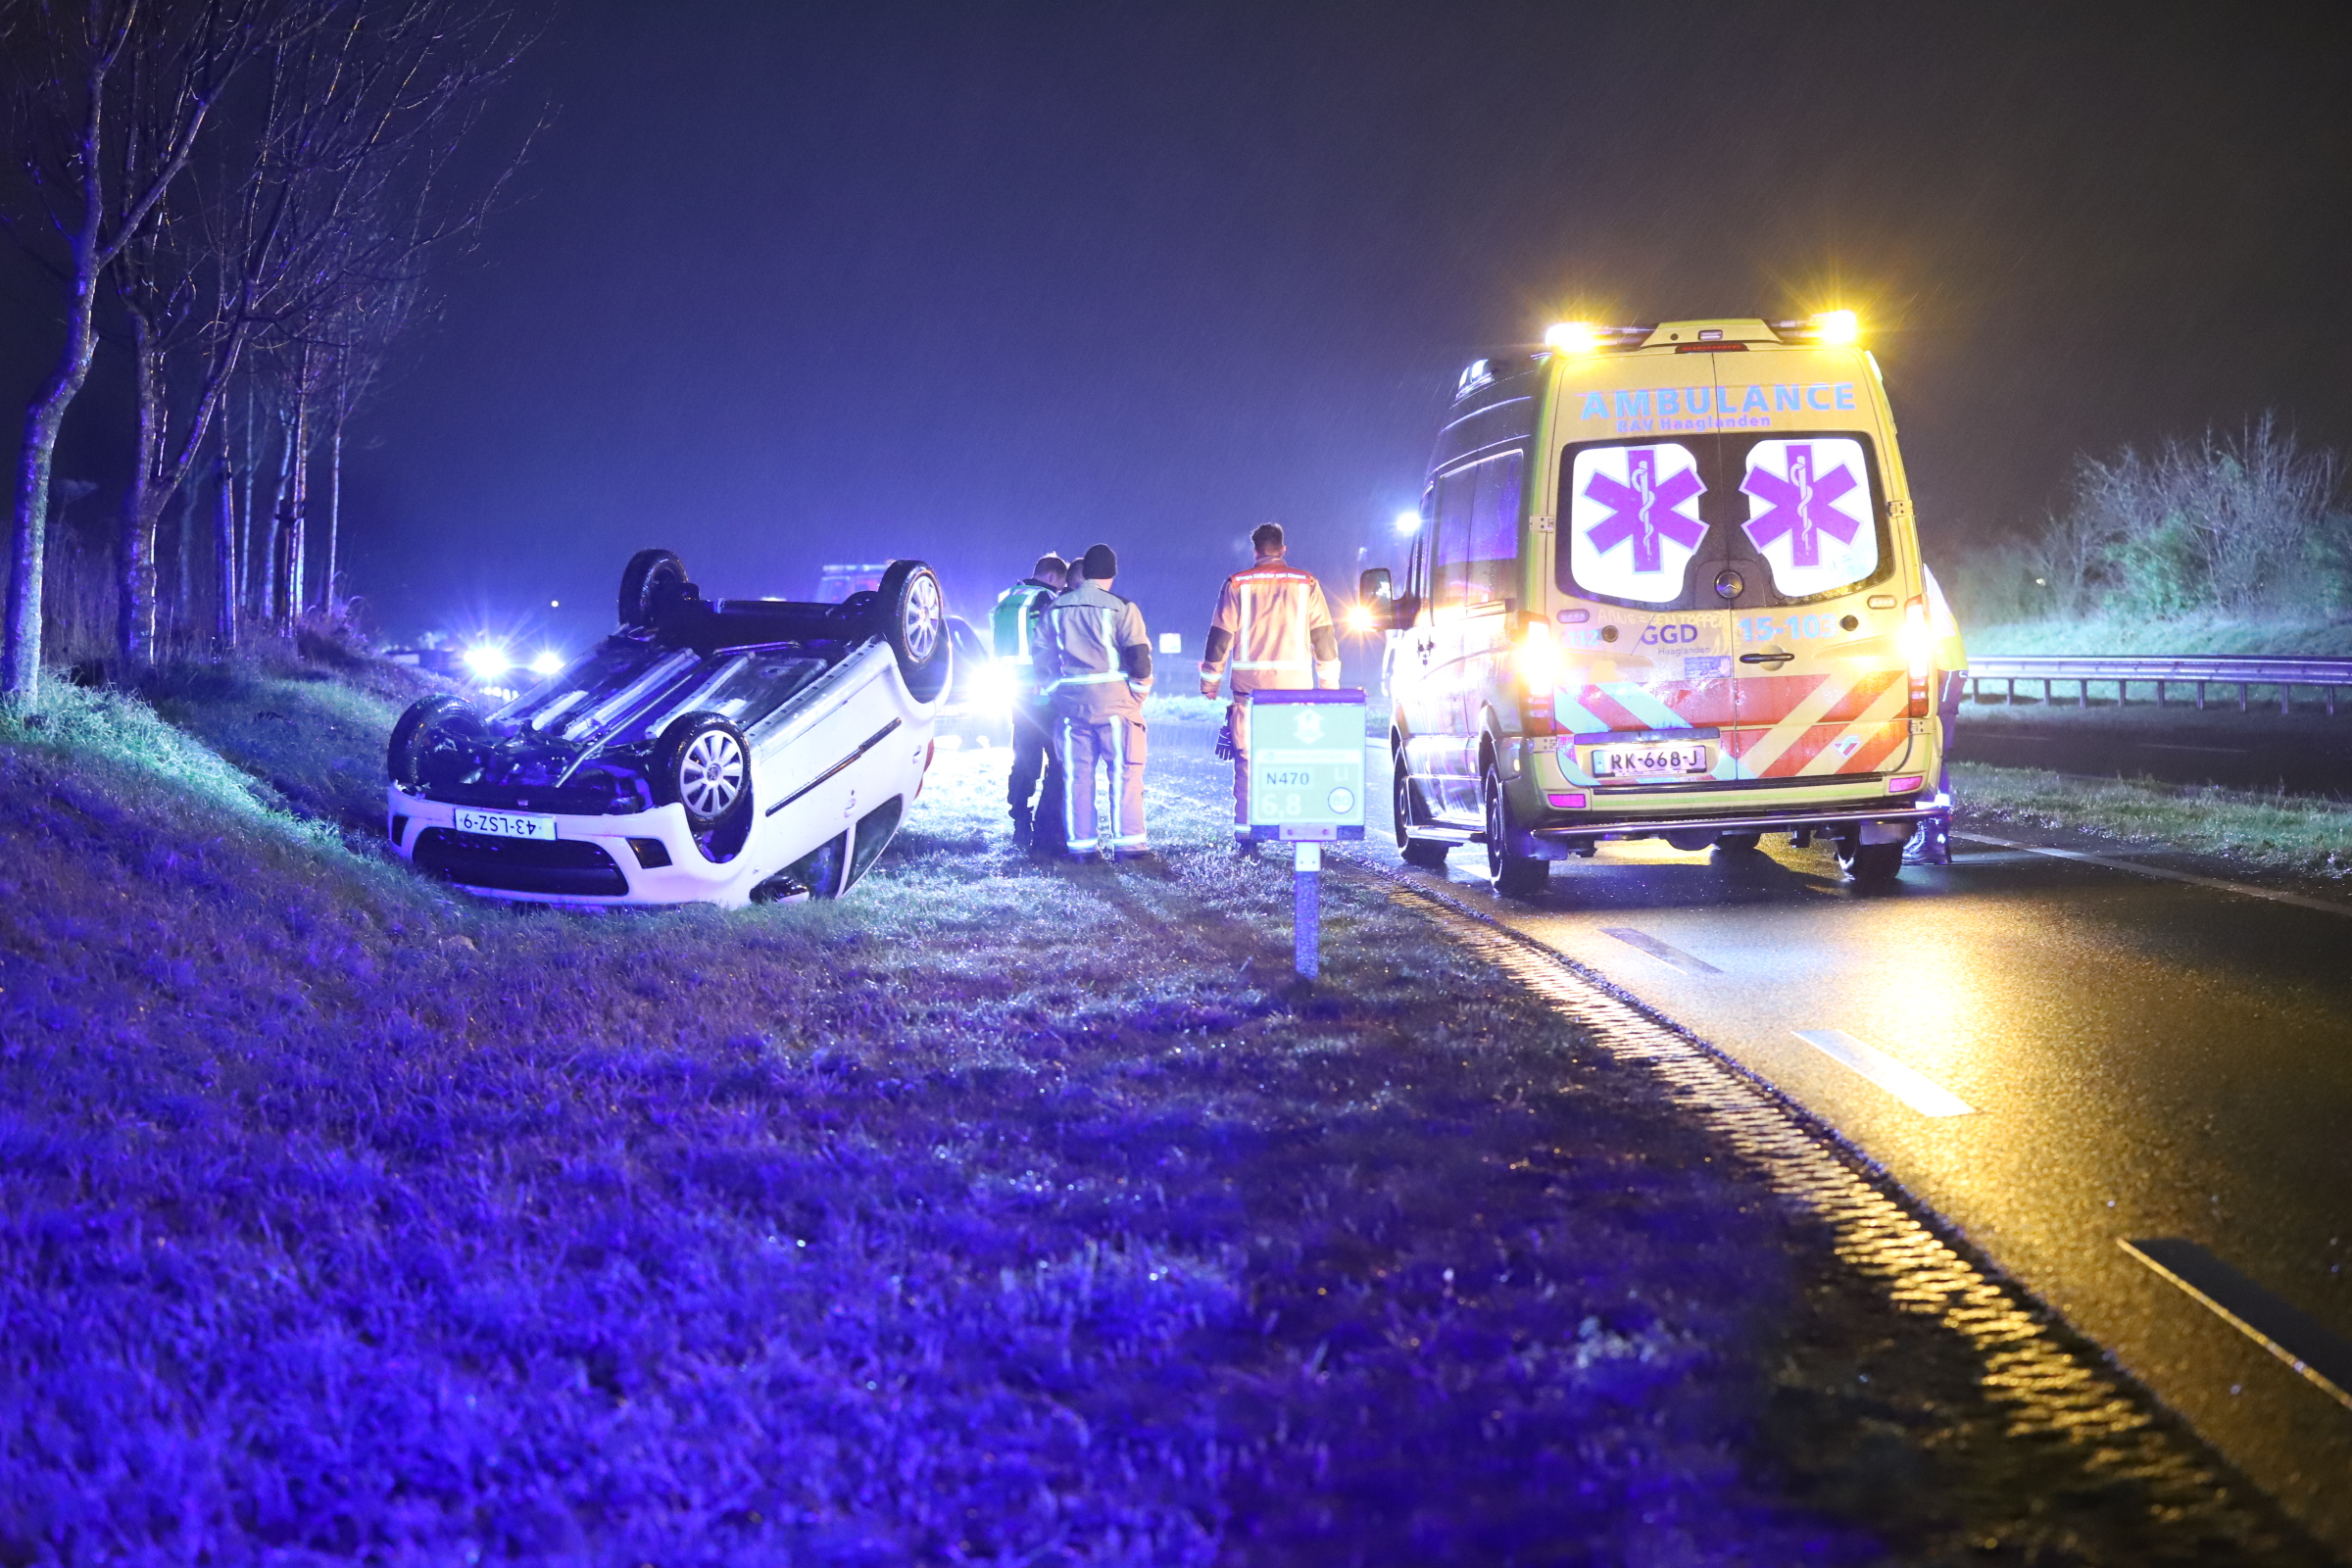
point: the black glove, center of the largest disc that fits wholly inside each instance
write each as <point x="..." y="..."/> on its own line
<point x="1225" y="742"/>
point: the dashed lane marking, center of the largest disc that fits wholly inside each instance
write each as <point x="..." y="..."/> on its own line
<point x="2321" y="1359"/>
<point x="1665" y="953"/>
<point x="1922" y="1094"/>
<point x="2275" y="895"/>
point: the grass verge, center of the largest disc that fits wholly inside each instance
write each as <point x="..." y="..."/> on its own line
<point x="998" y="1214"/>
<point x="2276" y="831"/>
<point x="2187" y="635"/>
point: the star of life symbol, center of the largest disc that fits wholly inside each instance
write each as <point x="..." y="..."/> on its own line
<point x="1800" y="508"/>
<point x="1308" y="727"/>
<point x="1644" y="509"/>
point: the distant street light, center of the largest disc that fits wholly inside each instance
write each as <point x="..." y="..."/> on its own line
<point x="1408" y="524"/>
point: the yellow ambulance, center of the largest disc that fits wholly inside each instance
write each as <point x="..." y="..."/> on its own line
<point x="1665" y="583"/>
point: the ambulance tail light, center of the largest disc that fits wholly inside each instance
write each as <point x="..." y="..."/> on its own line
<point x="1919" y="653"/>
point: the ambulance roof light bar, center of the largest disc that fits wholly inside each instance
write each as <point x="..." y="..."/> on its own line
<point x="1588" y="337"/>
<point x="1833" y="327"/>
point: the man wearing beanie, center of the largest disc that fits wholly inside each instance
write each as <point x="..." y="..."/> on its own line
<point x="1274" y="625"/>
<point x="1094" y="657"/>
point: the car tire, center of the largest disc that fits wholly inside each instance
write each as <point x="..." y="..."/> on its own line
<point x="1870" y="864"/>
<point x="913" y="613"/>
<point x="434" y="738"/>
<point x="1428" y="854"/>
<point x="1513" y="877"/>
<point x="654" y="581"/>
<point x="1739" y="843"/>
<point x="704" y="763"/>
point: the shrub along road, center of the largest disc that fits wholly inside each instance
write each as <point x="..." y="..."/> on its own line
<point x="997" y="1214"/>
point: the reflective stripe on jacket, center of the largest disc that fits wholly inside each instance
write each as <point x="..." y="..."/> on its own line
<point x="1277" y="630"/>
<point x="1094" y="657"/>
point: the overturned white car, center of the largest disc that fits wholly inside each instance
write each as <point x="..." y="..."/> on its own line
<point x="714" y="751"/>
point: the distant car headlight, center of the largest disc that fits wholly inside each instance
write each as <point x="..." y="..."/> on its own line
<point x="487" y="660"/>
<point x="998" y="688"/>
<point x="549" y="663"/>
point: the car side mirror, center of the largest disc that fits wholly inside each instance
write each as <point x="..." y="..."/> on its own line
<point x="1376" y="593"/>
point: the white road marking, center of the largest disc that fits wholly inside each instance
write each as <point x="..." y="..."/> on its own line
<point x="1922" y="1094"/>
<point x="2270" y="1322"/>
<point x="1665" y="953"/>
<point x="2276" y="896"/>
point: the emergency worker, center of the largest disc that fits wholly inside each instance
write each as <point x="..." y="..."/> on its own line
<point x="1095" y="656"/>
<point x="1274" y="624"/>
<point x="1015" y="628"/>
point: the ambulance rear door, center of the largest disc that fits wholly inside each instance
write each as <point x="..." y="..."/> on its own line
<point x="1821" y="688"/>
<point x="1646" y="703"/>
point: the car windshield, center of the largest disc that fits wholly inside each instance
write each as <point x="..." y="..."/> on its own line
<point x="1651" y="522"/>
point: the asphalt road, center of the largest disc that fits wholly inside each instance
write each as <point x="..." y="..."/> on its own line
<point x="2055" y="1056"/>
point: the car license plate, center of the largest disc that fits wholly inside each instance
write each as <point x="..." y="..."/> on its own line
<point x="1653" y="761"/>
<point x="505" y="824"/>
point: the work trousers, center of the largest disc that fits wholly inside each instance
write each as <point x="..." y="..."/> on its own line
<point x="1115" y="747"/>
<point x="1033" y="754"/>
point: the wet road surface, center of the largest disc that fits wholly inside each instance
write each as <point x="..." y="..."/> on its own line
<point x="2059" y="1057"/>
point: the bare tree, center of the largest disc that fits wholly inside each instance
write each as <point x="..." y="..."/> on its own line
<point x="329" y="201"/>
<point x="109" y="100"/>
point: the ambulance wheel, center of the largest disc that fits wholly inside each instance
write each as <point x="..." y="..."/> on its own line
<point x="433" y="743"/>
<point x="1428" y="854"/>
<point x="650" y="583"/>
<point x="1739" y="843"/>
<point x="702" y="763"/>
<point x="1514" y="876"/>
<point x="915" y="621"/>
<point x="1869" y="863"/>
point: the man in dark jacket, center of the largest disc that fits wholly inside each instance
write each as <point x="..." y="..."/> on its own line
<point x="1017" y="624"/>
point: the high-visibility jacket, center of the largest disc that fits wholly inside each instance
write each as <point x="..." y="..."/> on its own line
<point x="1094" y="657"/>
<point x="1273" y="621"/>
<point x="1014" y="627"/>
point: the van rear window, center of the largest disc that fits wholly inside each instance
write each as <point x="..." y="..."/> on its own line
<point x="1651" y="524"/>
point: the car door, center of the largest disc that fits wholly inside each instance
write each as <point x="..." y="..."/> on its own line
<point x="1475" y="552"/>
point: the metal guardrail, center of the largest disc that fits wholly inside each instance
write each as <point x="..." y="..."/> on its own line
<point x="2328" y="676"/>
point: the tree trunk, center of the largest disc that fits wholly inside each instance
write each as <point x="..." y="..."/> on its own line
<point x="297" y="502"/>
<point x="224" y="544"/>
<point x="21" y="662"/>
<point x="273" y="543"/>
<point x="334" y="515"/>
<point x="134" y="549"/>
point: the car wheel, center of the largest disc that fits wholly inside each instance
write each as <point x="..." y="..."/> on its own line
<point x="1514" y="876"/>
<point x="1428" y="854"/>
<point x="433" y="743"/>
<point x="1739" y="843"/>
<point x="915" y="621"/>
<point x="1869" y="862"/>
<point x="702" y="763"/>
<point x="650" y="583"/>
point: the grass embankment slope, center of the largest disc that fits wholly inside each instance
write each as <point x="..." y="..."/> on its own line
<point x="996" y="1213"/>
<point x="2303" y="835"/>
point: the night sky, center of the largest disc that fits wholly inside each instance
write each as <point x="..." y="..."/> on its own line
<point x="783" y="284"/>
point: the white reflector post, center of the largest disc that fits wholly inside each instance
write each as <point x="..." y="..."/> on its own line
<point x="1306" y="914"/>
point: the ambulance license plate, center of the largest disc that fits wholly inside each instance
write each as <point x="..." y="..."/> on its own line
<point x="1653" y="761"/>
<point x="503" y="825"/>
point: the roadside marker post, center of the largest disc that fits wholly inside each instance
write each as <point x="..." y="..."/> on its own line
<point x="1307" y="789"/>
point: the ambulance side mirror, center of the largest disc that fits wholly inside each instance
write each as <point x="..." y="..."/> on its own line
<point x="1376" y="600"/>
